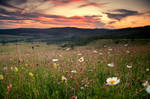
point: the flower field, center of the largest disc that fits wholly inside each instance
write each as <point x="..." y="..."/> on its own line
<point x="40" y="71"/>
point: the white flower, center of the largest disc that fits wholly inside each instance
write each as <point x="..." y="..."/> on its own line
<point x="112" y="81"/>
<point x="95" y="51"/>
<point x="127" y="51"/>
<point x="64" y="78"/>
<point x="60" y="55"/>
<point x="81" y="59"/>
<point x="125" y="44"/>
<point x="74" y="97"/>
<point x="148" y="89"/>
<point x="5" y="68"/>
<point x="68" y="49"/>
<point x="74" y="71"/>
<point x="145" y="84"/>
<point x="100" y="53"/>
<point x="129" y="66"/>
<point x="81" y="88"/>
<point x="110" y="65"/>
<point x="108" y="52"/>
<point x="110" y="49"/>
<point x="79" y="54"/>
<point x="105" y="45"/>
<point x="54" y="60"/>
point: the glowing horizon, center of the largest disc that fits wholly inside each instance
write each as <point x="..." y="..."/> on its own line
<point x="74" y="13"/>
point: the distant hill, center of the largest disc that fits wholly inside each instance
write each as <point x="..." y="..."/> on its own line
<point x="71" y="34"/>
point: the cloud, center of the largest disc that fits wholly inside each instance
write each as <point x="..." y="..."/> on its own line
<point x="145" y="1"/>
<point x="12" y="19"/>
<point x="23" y="5"/>
<point x="92" y="4"/>
<point x="16" y="14"/>
<point x="121" y="13"/>
<point x="60" y="1"/>
<point x="12" y="3"/>
<point x="111" y="22"/>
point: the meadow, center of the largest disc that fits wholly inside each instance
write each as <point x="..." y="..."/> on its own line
<point x="41" y="71"/>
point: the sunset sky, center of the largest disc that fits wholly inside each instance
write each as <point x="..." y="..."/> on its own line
<point x="74" y="13"/>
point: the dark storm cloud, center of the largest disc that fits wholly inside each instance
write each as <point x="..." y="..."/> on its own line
<point x="16" y="14"/>
<point x="63" y="1"/>
<point x="49" y="16"/>
<point x="121" y="13"/>
<point x="11" y="18"/>
<point x="12" y="3"/>
<point x="146" y="1"/>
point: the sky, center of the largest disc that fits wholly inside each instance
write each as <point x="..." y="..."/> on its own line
<point x="74" y="13"/>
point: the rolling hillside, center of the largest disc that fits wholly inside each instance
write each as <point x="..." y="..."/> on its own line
<point x="71" y="34"/>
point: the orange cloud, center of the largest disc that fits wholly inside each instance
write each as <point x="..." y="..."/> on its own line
<point x="45" y="21"/>
<point x="131" y="21"/>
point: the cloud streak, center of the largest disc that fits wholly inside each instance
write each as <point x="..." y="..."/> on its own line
<point x="11" y="18"/>
<point x="121" y="13"/>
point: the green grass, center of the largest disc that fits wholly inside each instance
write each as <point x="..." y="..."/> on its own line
<point x="87" y="83"/>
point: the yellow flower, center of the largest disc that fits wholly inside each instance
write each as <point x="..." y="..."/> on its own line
<point x="1" y="77"/>
<point x="26" y="65"/>
<point x="30" y="74"/>
<point x="55" y="65"/>
<point x="16" y="69"/>
<point x="147" y="69"/>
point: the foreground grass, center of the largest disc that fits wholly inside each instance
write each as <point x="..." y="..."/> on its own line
<point x="29" y="72"/>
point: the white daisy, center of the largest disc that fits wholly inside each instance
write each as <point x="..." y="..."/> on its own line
<point x="129" y="66"/>
<point x="110" y="65"/>
<point x="81" y="59"/>
<point x="95" y="51"/>
<point x="54" y="60"/>
<point x="127" y="51"/>
<point x="5" y="68"/>
<point x="100" y="53"/>
<point x="110" y="49"/>
<point x="145" y="84"/>
<point x="112" y="81"/>
<point x="73" y="71"/>
<point x="79" y="54"/>
<point x="125" y="44"/>
<point x="148" y="89"/>
<point x="68" y="49"/>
